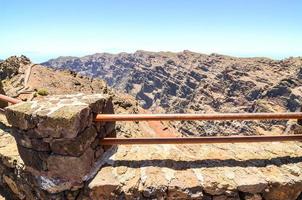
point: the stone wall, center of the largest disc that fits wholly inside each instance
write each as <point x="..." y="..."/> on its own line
<point x="58" y="139"/>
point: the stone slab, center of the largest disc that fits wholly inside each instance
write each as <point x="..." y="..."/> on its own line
<point x="221" y="171"/>
<point x="60" y="116"/>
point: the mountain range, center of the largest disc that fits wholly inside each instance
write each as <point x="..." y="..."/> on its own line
<point x="189" y="82"/>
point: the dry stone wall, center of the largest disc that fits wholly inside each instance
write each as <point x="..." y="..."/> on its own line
<point x="58" y="140"/>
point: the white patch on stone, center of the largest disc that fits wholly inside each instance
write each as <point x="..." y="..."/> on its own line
<point x="167" y="149"/>
<point x="164" y="149"/>
<point x="229" y="174"/>
<point x="34" y="104"/>
<point x="143" y="174"/>
<point x="275" y="143"/>
<point x="47" y="183"/>
<point x="53" y="185"/>
<point x="198" y="174"/>
<point x="168" y="173"/>
<point x="74" y="103"/>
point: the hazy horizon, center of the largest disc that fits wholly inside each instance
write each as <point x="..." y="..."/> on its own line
<point x="48" y="29"/>
<point x="47" y="58"/>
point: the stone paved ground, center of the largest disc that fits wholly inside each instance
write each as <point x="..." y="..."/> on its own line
<point x="218" y="171"/>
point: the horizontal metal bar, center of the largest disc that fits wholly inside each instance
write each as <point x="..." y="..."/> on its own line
<point x="200" y="140"/>
<point x="179" y="117"/>
<point x="9" y="99"/>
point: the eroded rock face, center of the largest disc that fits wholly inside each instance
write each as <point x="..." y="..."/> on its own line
<point x="57" y="137"/>
<point x="188" y="82"/>
<point x="10" y="66"/>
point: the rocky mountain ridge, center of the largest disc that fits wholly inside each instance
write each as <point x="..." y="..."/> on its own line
<point x="189" y="82"/>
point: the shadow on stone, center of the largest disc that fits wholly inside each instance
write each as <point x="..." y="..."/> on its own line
<point x="207" y="163"/>
<point x="4" y="127"/>
<point x="4" y="192"/>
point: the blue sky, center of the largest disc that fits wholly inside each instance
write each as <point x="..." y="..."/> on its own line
<point x="51" y="28"/>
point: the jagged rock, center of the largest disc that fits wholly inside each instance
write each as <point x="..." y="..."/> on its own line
<point x="10" y="66"/>
<point x="187" y="82"/>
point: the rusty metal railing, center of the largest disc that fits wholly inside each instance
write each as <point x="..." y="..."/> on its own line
<point x="9" y="99"/>
<point x="180" y="117"/>
<point x="192" y="140"/>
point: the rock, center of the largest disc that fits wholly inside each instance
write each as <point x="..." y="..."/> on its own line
<point x="220" y="197"/>
<point x="106" y="179"/>
<point x="71" y="168"/>
<point x="286" y="191"/>
<point x="63" y="122"/>
<point x="19" y="115"/>
<point x="11" y="66"/>
<point x="188" y="82"/>
<point x="26" y="141"/>
<point x="279" y="91"/>
<point x="251" y="184"/>
<point x="74" y="146"/>
<point x="13" y="186"/>
<point x="253" y="197"/>
<point x="56" y="116"/>
<point x="33" y="159"/>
